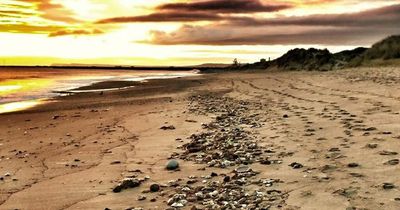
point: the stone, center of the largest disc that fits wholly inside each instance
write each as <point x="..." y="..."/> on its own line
<point x="213" y="174"/>
<point x="386" y="152"/>
<point x="155" y="188"/>
<point x="372" y="146"/>
<point x="388" y="186"/>
<point x="295" y="165"/>
<point x="126" y="184"/>
<point x="227" y="179"/>
<point x="141" y="198"/>
<point x="172" y="165"/>
<point x="169" y="127"/>
<point x="353" y="165"/>
<point x="115" y="162"/>
<point x="242" y="169"/>
<point x="393" y="162"/>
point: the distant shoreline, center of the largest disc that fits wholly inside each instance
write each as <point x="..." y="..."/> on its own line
<point x="137" y="68"/>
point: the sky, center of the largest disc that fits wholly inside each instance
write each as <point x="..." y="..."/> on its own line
<point x="183" y="32"/>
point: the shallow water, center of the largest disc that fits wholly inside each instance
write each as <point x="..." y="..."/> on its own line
<point x="22" y="88"/>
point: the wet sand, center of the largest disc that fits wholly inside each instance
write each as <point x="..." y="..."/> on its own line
<point x="278" y="140"/>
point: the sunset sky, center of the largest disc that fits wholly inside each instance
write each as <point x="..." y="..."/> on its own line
<point x="182" y="32"/>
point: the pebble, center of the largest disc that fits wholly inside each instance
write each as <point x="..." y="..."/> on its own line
<point x="372" y="146"/>
<point x="126" y="184"/>
<point x="141" y="198"/>
<point x="228" y="141"/>
<point x="115" y="162"/>
<point x="393" y="162"/>
<point x="388" y="186"/>
<point x="295" y="165"/>
<point x="169" y="127"/>
<point x="155" y="188"/>
<point x="172" y="165"/>
<point x="386" y="152"/>
<point x="353" y="165"/>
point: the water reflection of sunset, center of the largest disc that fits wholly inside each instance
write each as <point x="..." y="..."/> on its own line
<point x="21" y="86"/>
<point x="18" y="106"/>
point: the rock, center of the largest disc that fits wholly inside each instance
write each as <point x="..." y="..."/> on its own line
<point x="353" y="165"/>
<point x="242" y="169"/>
<point x="177" y="205"/>
<point x="386" y="152"/>
<point x="372" y="146"/>
<point x="227" y="179"/>
<point x="172" y="165"/>
<point x="347" y="192"/>
<point x="285" y="116"/>
<point x="169" y="127"/>
<point x="193" y="148"/>
<point x="115" y="162"/>
<point x="265" y="162"/>
<point x="295" y="165"/>
<point x="370" y="129"/>
<point x="155" y="188"/>
<point x="393" y="162"/>
<point x="126" y="184"/>
<point x="388" y="186"/>
<point x="141" y="198"/>
<point x="177" y="201"/>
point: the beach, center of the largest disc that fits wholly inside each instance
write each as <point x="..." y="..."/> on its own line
<point x="251" y="139"/>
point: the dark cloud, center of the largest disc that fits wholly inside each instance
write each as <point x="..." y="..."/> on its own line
<point x="386" y="16"/>
<point x="165" y="17"/>
<point x="79" y="32"/>
<point x="343" y="36"/>
<point x="211" y="10"/>
<point x="346" y="29"/>
<point x="225" y="6"/>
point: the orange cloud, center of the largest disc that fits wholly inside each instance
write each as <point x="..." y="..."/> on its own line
<point x="53" y="11"/>
<point x="75" y="32"/>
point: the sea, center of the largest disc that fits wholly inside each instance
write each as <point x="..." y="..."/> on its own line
<point x="26" y="87"/>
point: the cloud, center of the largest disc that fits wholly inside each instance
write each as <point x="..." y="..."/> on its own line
<point x="165" y="17"/>
<point x="76" y="32"/>
<point x="344" y="29"/>
<point x="385" y="16"/>
<point x="225" y="6"/>
<point x="34" y="16"/>
<point x="53" y="11"/>
<point x="211" y="10"/>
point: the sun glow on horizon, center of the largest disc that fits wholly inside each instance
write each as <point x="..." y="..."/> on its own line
<point x="45" y="32"/>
